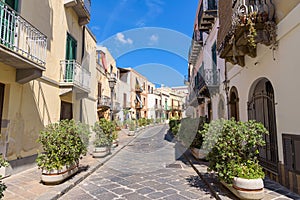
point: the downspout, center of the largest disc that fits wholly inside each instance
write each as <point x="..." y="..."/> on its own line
<point x="226" y="85"/>
<point x="82" y="55"/>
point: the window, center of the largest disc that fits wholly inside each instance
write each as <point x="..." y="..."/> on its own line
<point x="291" y="152"/>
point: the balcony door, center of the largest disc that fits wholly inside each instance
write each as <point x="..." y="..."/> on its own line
<point x="1" y="102"/>
<point x="71" y="49"/>
<point x="8" y="22"/>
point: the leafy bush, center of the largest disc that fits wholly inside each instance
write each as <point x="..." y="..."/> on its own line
<point x="174" y="125"/>
<point x="149" y="121"/>
<point x="233" y="148"/>
<point x="104" y="130"/>
<point x="142" y="122"/>
<point x="3" y="187"/>
<point x="63" y="144"/>
<point x="131" y="124"/>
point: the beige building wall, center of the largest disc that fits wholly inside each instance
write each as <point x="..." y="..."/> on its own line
<point x="136" y="78"/>
<point x="103" y="76"/>
<point x="29" y="107"/>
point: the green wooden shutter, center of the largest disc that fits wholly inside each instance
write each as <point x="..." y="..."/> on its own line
<point x="13" y="4"/>
<point x="71" y="48"/>
<point x="8" y="23"/>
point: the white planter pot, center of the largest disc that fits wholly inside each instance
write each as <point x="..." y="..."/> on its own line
<point x="246" y="191"/>
<point x="248" y="184"/>
<point x="115" y="143"/>
<point x="57" y="176"/>
<point x="198" y="153"/>
<point x="131" y="133"/>
<point x="100" y="152"/>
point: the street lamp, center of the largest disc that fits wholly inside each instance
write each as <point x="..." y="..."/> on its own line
<point x="112" y="82"/>
<point x="136" y="114"/>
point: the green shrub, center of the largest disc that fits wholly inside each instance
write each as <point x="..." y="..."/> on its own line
<point x="132" y="125"/>
<point x="63" y="144"/>
<point x="3" y="187"/>
<point x="233" y="148"/>
<point x="104" y="130"/>
<point x="175" y="129"/>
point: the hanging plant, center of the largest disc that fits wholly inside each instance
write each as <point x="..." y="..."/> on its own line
<point x="252" y="31"/>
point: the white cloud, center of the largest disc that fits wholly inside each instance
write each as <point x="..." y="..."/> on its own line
<point x="153" y="40"/>
<point x="95" y="28"/>
<point x="121" y="37"/>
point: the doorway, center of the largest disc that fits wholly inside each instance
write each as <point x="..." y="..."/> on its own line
<point x="261" y="107"/>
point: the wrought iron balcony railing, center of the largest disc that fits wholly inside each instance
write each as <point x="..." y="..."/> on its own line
<point x="212" y="77"/>
<point x="196" y="45"/>
<point x="103" y="101"/>
<point x="73" y="73"/>
<point x="20" y="37"/>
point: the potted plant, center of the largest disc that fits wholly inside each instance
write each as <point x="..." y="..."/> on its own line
<point x="131" y="125"/>
<point x="115" y="140"/>
<point x="103" y="137"/>
<point x="233" y="155"/>
<point x="196" y="146"/>
<point x="63" y="145"/>
<point x="3" y="187"/>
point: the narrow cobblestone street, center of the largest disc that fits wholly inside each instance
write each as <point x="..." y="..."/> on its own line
<point x="145" y="169"/>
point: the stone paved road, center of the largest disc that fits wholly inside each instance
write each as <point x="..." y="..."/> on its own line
<point x="145" y="169"/>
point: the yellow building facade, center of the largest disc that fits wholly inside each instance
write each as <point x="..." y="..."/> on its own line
<point x="47" y="62"/>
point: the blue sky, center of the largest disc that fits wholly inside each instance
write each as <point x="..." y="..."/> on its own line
<point x="151" y="36"/>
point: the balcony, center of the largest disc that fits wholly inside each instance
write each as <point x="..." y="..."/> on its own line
<point x="74" y="76"/>
<point x="103" y="103"/>
<point x="117" y="107"/>
<point x="207" y="15"/>
<point x="82" y="9"/>
<point x="158" y="107"/>
<point x="212" y="80"/>
<point x="243" y="26"/>
<point x="138" y="89"/>
<point x="22" y="45"/>
<point x="196" y="46"/>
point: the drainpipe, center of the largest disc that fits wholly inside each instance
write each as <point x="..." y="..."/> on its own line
<point x="226" y="85"/>
<point x="83" y="42"/>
